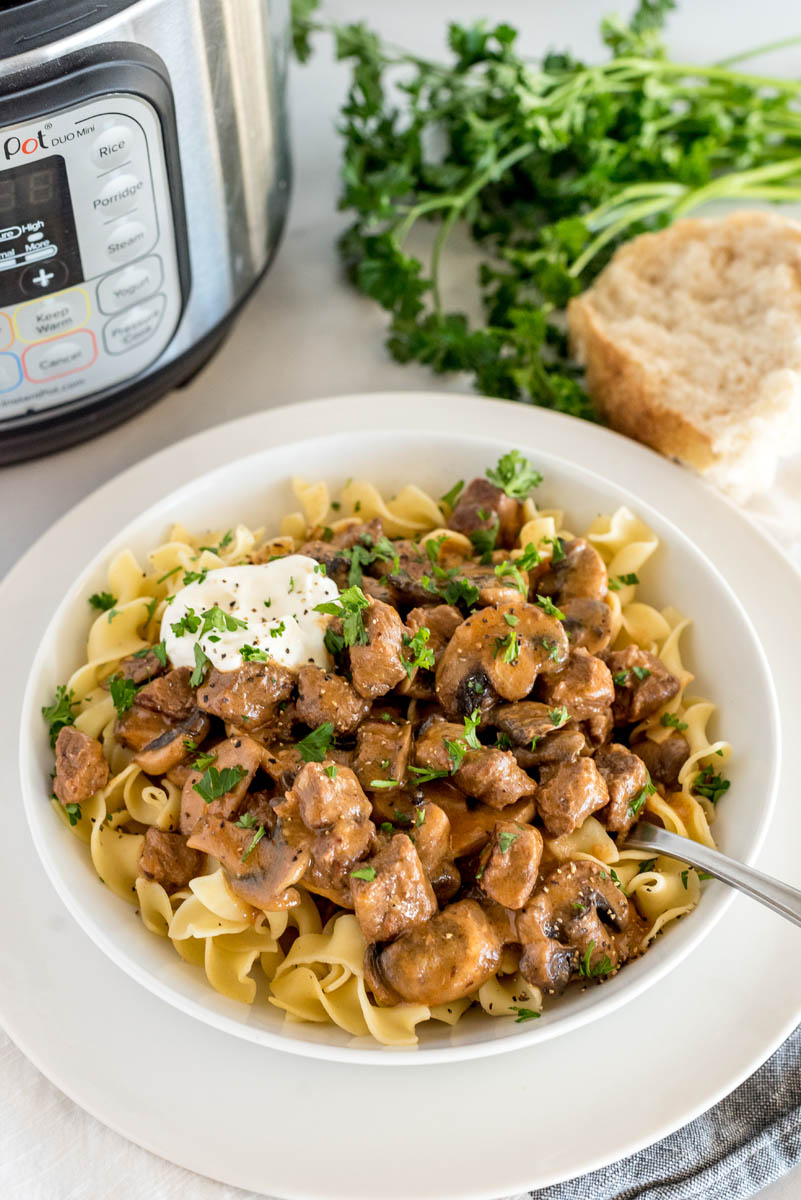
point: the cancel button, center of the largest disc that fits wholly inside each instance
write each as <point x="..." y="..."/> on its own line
<point x="131" y="328"/>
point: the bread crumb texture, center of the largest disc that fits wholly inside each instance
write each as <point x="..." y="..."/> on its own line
<point x="691" y="339"/>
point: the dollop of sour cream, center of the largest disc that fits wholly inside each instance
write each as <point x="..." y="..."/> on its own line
<point x="276" y="602"/>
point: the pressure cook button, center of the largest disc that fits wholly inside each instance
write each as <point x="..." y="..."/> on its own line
<point x="52" y="315"/>
<point x="134" y="326"/>
<point x="113" y="147"/>
<point x="119" y="195"/>
<point x="59" y="356"/>
<point x="126" y="241"/>
<point x="125" y="287"/>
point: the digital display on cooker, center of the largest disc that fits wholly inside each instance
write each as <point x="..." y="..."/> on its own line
<point x="38" y="243"/>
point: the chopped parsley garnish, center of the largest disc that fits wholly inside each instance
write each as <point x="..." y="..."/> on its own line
<point x="641" y="672"/>
<point x="685" y="875"/>
<point x="194" y="577"/>
<point x="214" y="783"/>
<point x="160" y="651"/>
<point x="333" y="642"/>
<point x="123" y="691"/>
<point x="331" y="771"/>
<point x="278" y="630"/>
<point x="112" y="613"/>
<point x="505" y="840"/>
<point x="368" y="873"/>
<point x="619" y="581"/>
<point x="511" y="619"/>
<point x="420" y="816"/>
<point x="251" y="654"/>
<point x="59" y="713"/>
<point x="523" y="1014"/>
<point x="483" y="541"/>
<point x="450" y="497"/>
<point x="547" y="605"/>
<point x="201" y="658"/>
<point x="471" y="724"/>
<point x="189" y="744"/>
<point x="710" y="784"/>
<point x="384" y="783"/>
<point x="616" y="879"/>
<point x="314" y="747"/>
<point x="203" y="760"/>
<point x="552" y="648"/>
<point x="559" y="717"/>
<point x="189" y="623"/>
<point x="426" y="774"/>
<point x="216" y="618"/>
<point x="246" y="821"/>
<point x="421" y="654"/>
<point x="74" y="813"/>
<point x="102" y="601"/>
<point x="558" y="548"/>
<point x="349" y="609"/>
<point x="366" y="552"/>
<point x="671" y="721"/>
<point x="600" y="969"/>
<point x="511" y="567"/>
<point x="639" y="800"/>
<point x="647" y="864"/>
<point x="510" y="647"/>
<point x="503" y="742"/>
<point x="456" y="750"/>
<point x="705" y="875"/>
<point x="259" y="834"/>
<point x="515" y="475"/>
<point x="460" y="591"/>
<point x="226" y="540"/>
<point x="529" y="558"/>
<point x="386" y="827"/>
<point x="621" y="678"/>
<point x="168" y="575"/>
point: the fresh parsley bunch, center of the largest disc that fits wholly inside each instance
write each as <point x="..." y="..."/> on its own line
<point x="550" y="165"/>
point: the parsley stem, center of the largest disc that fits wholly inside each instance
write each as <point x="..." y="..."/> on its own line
<point x="758" y="51"/>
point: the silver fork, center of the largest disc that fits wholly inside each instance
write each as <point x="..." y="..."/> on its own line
<point x="782" y="898"/>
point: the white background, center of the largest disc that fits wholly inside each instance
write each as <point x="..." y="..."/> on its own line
<point x="304" y="334"/>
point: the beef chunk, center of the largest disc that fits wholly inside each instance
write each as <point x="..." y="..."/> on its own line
<point x="471" y="825"/>
<point x="525" y="722"/>
<point x="625" y="776"/>
<point x="378" y="666"/>
<point x="140" y="667"/>
<point x="432" y="840"/>
<point x="642" y="684"/>
<point x="237" y="753"/>
<point x="382" y="751"/>
<point x="329" y="816"/>
<point x="398" y="895"/>
<point x="568" y="794"/>
<point x="664" y="759"/>
<point x="81" y="769"/>
<point x="489" y="774"/>
<point x="510" y="864"/>
<point x="482" y="505"/>
<point x="166" y="858"/>
<point x="247" y="697"/>
<point x="323" y="696"/>
<point x="330" y="552"/>
<point x="441" y="620"/>
<point x="171" y="694"/>
<point x="583" y="686"/>
<point x="563" y="745"/>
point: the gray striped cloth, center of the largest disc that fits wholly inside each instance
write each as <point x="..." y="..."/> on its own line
<point x="746" y="1142"/>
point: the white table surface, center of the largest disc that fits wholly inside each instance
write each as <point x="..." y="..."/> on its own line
<point x="303" y="334"/>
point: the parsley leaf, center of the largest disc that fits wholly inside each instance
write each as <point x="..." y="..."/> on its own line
<point x="259" y="834"/>
<point x="641" y="672"/>
<point x="314" y="747"/>
<point x="368" y="873"/>
<point x="671" y="720"/>
<point x="505" y="840"/>
<point x="639" y="800"/>
<point x="213" y="783"/>
<point x="216" y="618"/>
<point x="103" y="601"/>
<point x="600" y="969"/>
<point x="559" y="717"/>
<point x="422" y="654"/>
<point x="619" y="581"/>
<point x="515" y="474"/>
<point x="511" y="567"/>
<point x="74" y="813"/>
<point x="122" y="691"/>
<point x="471" y="724"/>
<point x="710" y="784"/>
<point x="246" y="821"/>
<point x="251" y="654"/>
<point x="547" y="605"/>
<point x="160" y="651"/>
<point x="483" y="541"/>
<point x="196" y="678"/>
<point x="349" y="608"/>
<point x="524" y="1014"/>
<point x="426" y="774"/>
<point x="510" y="647"/>
<point x="449" y="499"/>
<point x="59" y="713"/>
<point x="188" y="623"/>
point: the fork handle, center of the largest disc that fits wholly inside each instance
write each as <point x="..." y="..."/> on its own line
<point x="782" y="898"/>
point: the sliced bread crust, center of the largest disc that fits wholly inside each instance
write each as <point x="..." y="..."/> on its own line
<point x="691" y="339"/>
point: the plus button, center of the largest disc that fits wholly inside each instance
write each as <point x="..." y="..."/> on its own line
<point x="43" y="278"/>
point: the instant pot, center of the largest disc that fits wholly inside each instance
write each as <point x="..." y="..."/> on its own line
<point x="144" y="181"/>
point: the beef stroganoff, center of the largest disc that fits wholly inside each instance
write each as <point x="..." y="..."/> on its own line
<point x="386" y="760"/>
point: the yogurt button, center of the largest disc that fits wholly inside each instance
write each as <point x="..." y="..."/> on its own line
<point x="127" y="240"/>
<point x="113" y="146"/>
<point x="125" y="287"/>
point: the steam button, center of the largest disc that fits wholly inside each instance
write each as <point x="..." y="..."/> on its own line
<point x="126" y="241"/>
<point x="113" y="147"/>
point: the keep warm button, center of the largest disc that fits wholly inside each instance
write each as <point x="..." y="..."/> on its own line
<point x="129" y="329"/>
<point x="59" y="356"/>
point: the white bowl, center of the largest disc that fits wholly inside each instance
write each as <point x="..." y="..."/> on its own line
<point x="721" y="648"/>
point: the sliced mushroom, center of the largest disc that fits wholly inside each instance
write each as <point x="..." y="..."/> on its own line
<point x="578" y="914"/>
<point x="471" y="825"/>
<point x="169" y="749"/>
<point x="498" y="652"/>
<point x="242" y="755"/>
<point x="440" y="960"/>
<point x="482" y="505"/>
<point x="579" y="572"/>
<point x="261" y="870"/>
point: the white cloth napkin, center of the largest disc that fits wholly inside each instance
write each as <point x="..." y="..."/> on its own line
<point x="51" y="1150"/>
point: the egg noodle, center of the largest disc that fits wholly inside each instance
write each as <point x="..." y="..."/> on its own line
<point x="310" y="971"/>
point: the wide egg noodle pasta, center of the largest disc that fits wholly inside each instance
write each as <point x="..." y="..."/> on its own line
<point x="504" y="995"/>
<point x="298" y="986"/>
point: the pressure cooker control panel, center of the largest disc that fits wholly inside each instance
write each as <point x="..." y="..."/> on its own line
<point x="90" y="292"/>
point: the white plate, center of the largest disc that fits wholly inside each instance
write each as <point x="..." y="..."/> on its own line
<point x="294" y="1127"/>
<point x="256" y="490"/>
